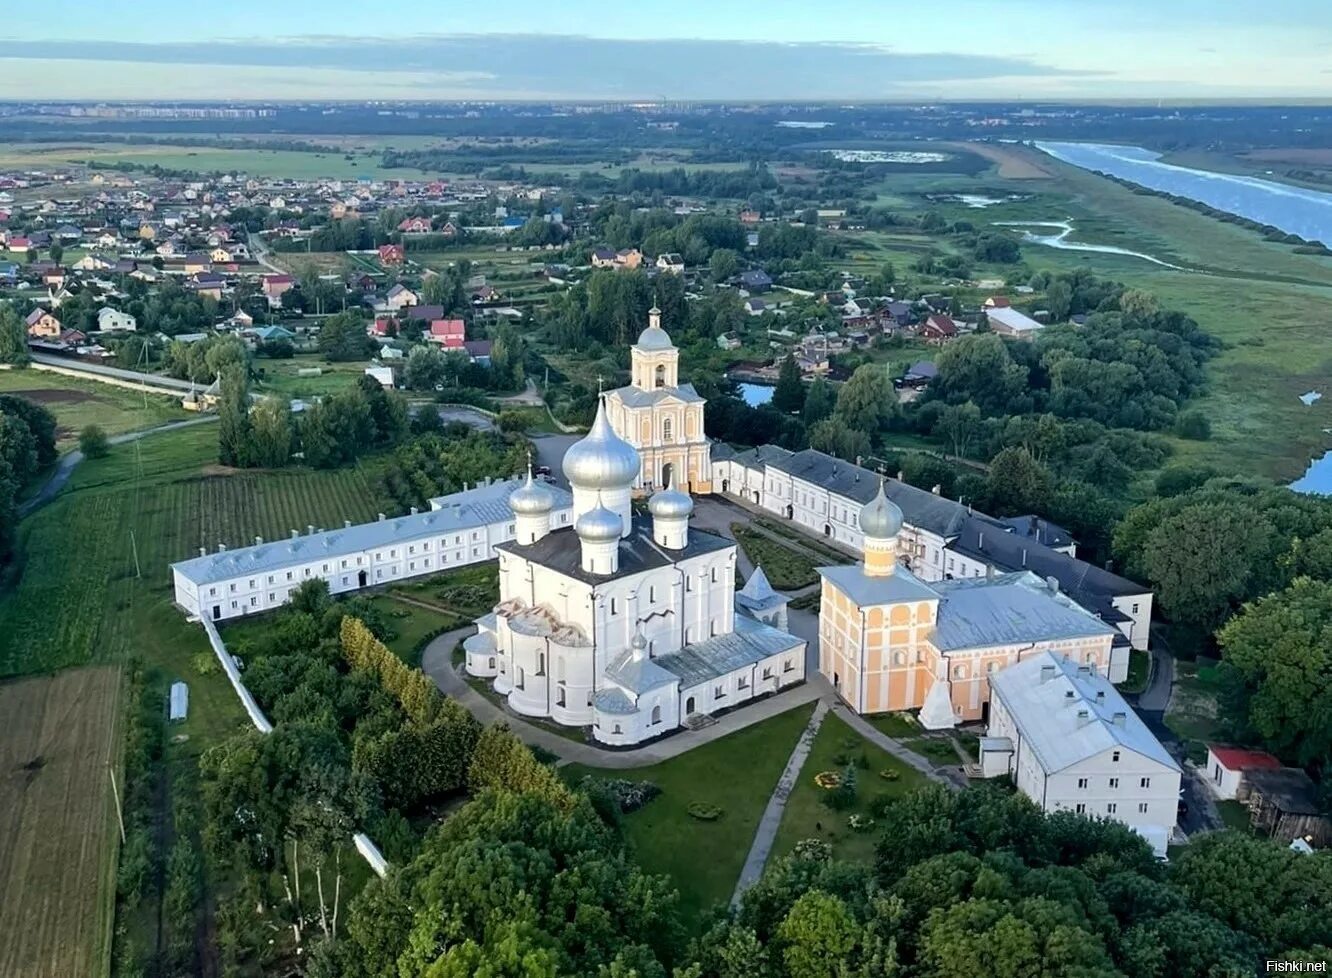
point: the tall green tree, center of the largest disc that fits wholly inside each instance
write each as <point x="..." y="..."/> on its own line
<point x="272" y="433"/>
<point x="235" y="436"/>
<point x="866" y="402"/>
<point x="789" y="394"/>
<point x="13" y="336"/>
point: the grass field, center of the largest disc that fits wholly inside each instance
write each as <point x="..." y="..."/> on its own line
<point x="787" y="569"/>
<point x="57" y="818"/>
<point x="78" y="403"/>
<point x="79" y="557"/>
<point x="280" y="164"/>
<point x="283" y="376"/>
<point x="738" y="774"/>
<point x="807" y="817"/>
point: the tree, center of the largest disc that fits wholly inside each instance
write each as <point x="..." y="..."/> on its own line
<point x="1017" y="483"/>
<point x="959" y="425"/>
<point x="723" y="264"/>
<point x="343" y="337"/>
<point x="1059" y="300"/>
<point x="426" y="368"/>
<point x="273" y="433"/>
<point x="820" y="399"/>
<point x="867" y="401"/>
<point x="1193" y="425"/>
<point x="1138" y="304"/>
<point x="1277" y="668"/>
<point x="820" y="936"/>
<point x="93" y="443"/>
<point x="234" y="434"/>
<point x="1202" y="559"/>
<point x="13" y="336"/>
<point x="981" y="369"/>
<point x="789" y="394"/>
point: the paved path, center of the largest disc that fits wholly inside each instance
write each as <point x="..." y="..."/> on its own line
<point x="1156" y="696"/>
<point x="65" y="466"/>
<point x="97" y="370"/>
<point x="437" y="663"/>
<point x="878" y="738"/>
<point x="766" y="834"/>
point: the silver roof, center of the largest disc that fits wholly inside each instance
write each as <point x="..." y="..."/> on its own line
<point x="654" y="338"/>
<point x="758" y="594"/>
<point x="1047" y="714"/>
<point x="1011" y="609"/>
<point x="612" y="700"/>
<point x="467" y="510"/>
<point x="638" y="675"/>
<point x="635" y="398"/>
<point x="866" y="590"/>
<point x="751" y="642"/>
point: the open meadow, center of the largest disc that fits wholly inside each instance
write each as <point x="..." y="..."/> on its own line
<point x="57" y="823"/>
<point x="78" y="403"/>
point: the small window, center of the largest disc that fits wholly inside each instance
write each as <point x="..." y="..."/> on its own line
<point x="289" y="575"/>
<point x="1142" y="808"/>
<point x="743" y="683"/>
<point x="714" y="575"/>
<point x="652" y="594"/>
<point x="1080" y="808"/>
<point x="615" y="606"/>
<point x="1145" y="783"/>
<point x="616" y="729"/>
<point x="1114" y="782"/>
<point x="1111" y="808"/>
<point x="767" y="672"/>
<point x="718" y="692"/>
<point x="788" y="666"/>
<point x="1082" y="782"/>
<point x="1115" y="757"/>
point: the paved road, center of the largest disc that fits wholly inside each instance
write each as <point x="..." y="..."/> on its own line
<point x="1156" y="697"/>
<point x="466" y="415"/>
<point x="550" y="451"/>
<point x="65" y="466"/>
<point x="96" y="370"/>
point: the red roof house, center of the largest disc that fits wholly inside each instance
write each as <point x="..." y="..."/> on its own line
<point x="391" y="254"/>
<point x="938" y="328"/>
<point x="448" y="333"/>
<point x="415" y="225"/>
<point x="1226" y="767"/>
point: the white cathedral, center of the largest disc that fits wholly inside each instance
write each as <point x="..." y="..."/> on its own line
<point x="625" y="623"/>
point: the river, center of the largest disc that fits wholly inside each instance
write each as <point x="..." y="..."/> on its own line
<point x="1061" y="241"/>
<point x="1294" y="210"/>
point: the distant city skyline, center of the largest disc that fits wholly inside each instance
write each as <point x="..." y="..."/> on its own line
<point x="780" y="49"/>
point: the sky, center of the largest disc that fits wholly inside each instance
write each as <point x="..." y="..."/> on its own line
<point x="678" y="50"/>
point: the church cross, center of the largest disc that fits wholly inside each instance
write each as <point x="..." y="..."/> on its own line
<point x="600" y="380"/>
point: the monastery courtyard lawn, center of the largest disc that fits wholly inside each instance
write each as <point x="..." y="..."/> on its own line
<point x="737" y="774"/>
<point x="807" y="817"/>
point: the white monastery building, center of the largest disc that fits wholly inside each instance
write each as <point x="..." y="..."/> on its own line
<point x="941" y="539"/>
<point x="1071" y="743"/>
<point x="661" y="417"/>
<point x="626" y="624"/>
<point x="460" y="529"/>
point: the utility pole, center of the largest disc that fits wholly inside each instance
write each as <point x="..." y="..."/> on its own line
<point x="120" y="816"/>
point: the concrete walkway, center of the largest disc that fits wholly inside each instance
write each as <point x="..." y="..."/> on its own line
<point x="65" y="465"/>
<point x="437" y="663"/>
<point x="766" y="834"/>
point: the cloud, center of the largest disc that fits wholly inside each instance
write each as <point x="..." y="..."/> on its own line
<point x="565" y="66"/>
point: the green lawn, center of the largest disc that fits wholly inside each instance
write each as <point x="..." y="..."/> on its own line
<point x="737" y="774"/>
<point x="1139" y="670"/>
<point x="1235" y="815"/>
<point x="807" y="817"/>
<point x="1194" y="713"/>
<point x="77" y="403"/>
<point x="787" y="569"/>
<point x="283" y="376"/>
<point x="896" y="725"/>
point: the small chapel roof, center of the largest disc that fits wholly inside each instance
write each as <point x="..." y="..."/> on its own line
<point x="758" y="594"/>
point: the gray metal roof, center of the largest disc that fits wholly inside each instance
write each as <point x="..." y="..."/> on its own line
<point x="612" y="700"/>
<point x="1010" y="609"/>
<point x="654" y="338"/>
<point x="751" y="642"/>
<point x="1047" y="714"/>
<point x="636" y="398"/>
<point x="482" y="506"/>
<point x="866" y="591"/>
<point x="638" y="675"/>
<point x="559" y="551"/>
<point x="758" y="594"/>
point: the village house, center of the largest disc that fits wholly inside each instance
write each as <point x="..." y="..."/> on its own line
<point x="671" y="263"/>
<point x="451" y="334"/>
<point x="755" y="280"/>
<point x="937" y="329"/>
<point x="401" y="297"/>
<point x="1008" y="322"/>
<point x="276" y="286"/>
<point x="415" y="225"/>
<point x="391" y="254"/>
<point x="43" y="325"/>
<point x="114" y="321"/>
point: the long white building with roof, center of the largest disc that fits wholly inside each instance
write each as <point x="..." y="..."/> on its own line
<point x="459" y="529"/>
<point x="1071" y="743"/>
<point x="626" y="624"/>
<point x="941" y="539"/>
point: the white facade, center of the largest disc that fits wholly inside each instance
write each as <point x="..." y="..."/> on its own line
<point x="114" y="321"/>
<point x="940" y="540"/>
<point x="1073" y="744"/>
<point x="460" y="529"/>
<point x="625" y="625"/>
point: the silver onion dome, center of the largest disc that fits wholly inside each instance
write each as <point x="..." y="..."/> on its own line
<point x="670" y="503"/>
<point x="654" y="337"/>
<point x="601" y="460"/>
<point x="531" y="498"/>
<point x="599" y="525"/>
<point x="880" y="518"/>
<point x="638" y="643"/>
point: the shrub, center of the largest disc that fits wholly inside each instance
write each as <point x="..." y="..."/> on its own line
<point x="843" y="796"/>
<point x="860" y="823"/>
<point x="630" y="796"/>
<point x="93" y="443"/>
<point x="704" y="812"/>
<point x="814" y="850"/>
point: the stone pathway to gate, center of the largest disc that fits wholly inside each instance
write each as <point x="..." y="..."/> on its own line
<point x="766" y="833"/>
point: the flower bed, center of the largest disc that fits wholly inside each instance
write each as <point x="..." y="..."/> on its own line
<point x="828" y="780"/>
<point x="704" y="812"/>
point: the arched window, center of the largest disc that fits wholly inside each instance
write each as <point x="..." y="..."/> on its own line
<point x="666" y="429"/>
<point x="661" y="375"/>
<point x="656" y="715"/>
